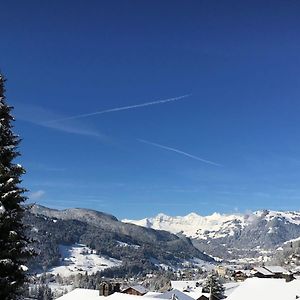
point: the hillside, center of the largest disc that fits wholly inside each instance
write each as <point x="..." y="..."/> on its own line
<point x="138" y="248"/>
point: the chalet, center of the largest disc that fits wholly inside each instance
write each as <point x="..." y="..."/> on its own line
<point x="241" y="275"/>
<point x="272" y="272"/>
<point x="261" y="272"/>
<point x="137" y="290"/>
<point x="280" y="272"/>
<point x="190" y="288"/>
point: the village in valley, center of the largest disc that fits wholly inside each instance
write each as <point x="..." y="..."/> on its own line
<point x="223" y="282"/>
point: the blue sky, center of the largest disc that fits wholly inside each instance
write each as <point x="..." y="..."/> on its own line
<point x="231" y="145"/>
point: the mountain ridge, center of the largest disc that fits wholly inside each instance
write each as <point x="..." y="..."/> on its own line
<point x="137" y="247"/>
<point x="232" y="236"/>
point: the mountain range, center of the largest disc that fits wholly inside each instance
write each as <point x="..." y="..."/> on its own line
<point x="139" y="246"/>
<point x="232" y="236"/>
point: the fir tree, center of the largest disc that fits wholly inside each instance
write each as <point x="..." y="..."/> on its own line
<point x="14" y="250"/>
<point x="214" y="287"/>
<point x="44" y="293"/>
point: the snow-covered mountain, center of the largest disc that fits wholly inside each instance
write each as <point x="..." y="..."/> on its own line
<point x="215" y="225"/>
<point x="232" y="235"/>
<point x="72" y="240"/>
<point x="194" y="225"/>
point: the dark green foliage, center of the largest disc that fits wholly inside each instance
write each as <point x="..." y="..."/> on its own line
<point x="44" y="293"/>
<point x="14" y="245"/>
<point x="213" y="285"/>
<point x="145" y="247"/>
<point x="47" y="235"/>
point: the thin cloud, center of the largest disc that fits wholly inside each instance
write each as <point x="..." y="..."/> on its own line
<point x="180" y="152"/>
<point x="36" y="195"/>
<point x="37" y="115"/>
<point x="118" y="109"/>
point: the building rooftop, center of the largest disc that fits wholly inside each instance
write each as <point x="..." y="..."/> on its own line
<point x="266" y="289"/>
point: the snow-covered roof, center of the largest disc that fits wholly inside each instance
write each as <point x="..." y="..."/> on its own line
<point x="263" y="271"/>
<point x="266" y="289"/>
<point x="230" y="287"/>
<point x="277" y="269"/>
<point x="184" y="284"/>
<point x="152" y="294"/>
<point x="121" y="296"/>
<point x="86" y="294"/>
<point x="196" y="294"/>
<point x="81" y="294"/>
<point x="178" y="294"/>
<point x="138" y="288"/>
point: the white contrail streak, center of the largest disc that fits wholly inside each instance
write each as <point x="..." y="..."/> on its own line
<point x="180" y="152"/>
<point x="119" y="108"/>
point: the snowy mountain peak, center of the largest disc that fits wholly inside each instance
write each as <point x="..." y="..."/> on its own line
<point x="192" y="225"/>
<point x="192" y="215"/>
<point x="215" y="225"/>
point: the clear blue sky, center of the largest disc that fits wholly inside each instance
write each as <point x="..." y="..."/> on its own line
<point x="238" y="60"/>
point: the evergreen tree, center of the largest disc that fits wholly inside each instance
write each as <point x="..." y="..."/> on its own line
<point x="14" y="250"/>
<point x="213" y="285"/>
<point x="44" y="293"/>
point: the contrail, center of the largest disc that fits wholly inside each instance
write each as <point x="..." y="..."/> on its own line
<point x="119" y="108"/>
<point x="180" y="152"/>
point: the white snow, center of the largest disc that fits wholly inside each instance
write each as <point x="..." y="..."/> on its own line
<point x="10" y="180"/>
<point x="2" y="209"/>
<point x="79" y="258"/>
<point x="290" y="216"/>
<point x="194" y="293"/>
<point x="122" y="244"/>
<point x="292" y="241"/>
<point x="24" y="268"/>
<point x="193" y="225"/>
<point x="174" y="294"/>
<point x="230" y="287"/>
<point x="81" y="294"/>
<point x="215" y="225"/>
<point x="85" y="294"/>
<point x="266" y="289"/>
<point x="120" y="296"/>
<point x="182" y="285"/>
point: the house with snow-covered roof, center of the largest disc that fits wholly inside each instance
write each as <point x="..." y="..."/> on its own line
<point x="191" y="288"/>
<point x="262" y="272"/>
<point x="137" y="290"/>
<point x="174" y="294"/>
<point x="273" y="272"/>
<point x="185" y="285"/>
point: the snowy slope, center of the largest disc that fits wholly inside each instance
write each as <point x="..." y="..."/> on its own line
<point x="291" y="217"/>
<point x="216" y="225"/>
<point x="194" y="225"/>
<point x="78" y="258"/>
